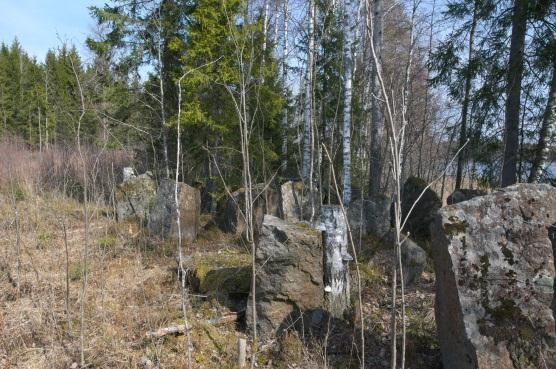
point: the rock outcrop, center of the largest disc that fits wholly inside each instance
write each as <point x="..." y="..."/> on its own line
<point x="418" y="223"/>
<point x="224" y="275"/>
<point x="414" y="259"/>
<point x="229" y="216"/>
<point x="369" y="217"/>
<point x="494" y="264"/>
<point x="289" y="280"/>
<point x="464" y="194"/>
<point x="296" y="201"/>
<point x="163" y="217"/>
<point x="135" y="197"/>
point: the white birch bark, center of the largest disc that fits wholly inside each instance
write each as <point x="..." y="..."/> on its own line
<point x="285" y="125"/>
<point x="346" y="128"/>
<point x="336" y="258"/>
<point x="308" y="102"/>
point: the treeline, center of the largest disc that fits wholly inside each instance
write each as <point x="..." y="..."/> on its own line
<point x="306" y="82"/>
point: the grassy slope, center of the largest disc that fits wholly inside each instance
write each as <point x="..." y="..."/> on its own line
<point x="132" y="289"/>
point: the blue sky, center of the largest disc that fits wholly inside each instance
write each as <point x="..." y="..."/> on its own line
<point x="40" y="24"/>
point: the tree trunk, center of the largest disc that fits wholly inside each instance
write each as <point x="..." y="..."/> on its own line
<point x="346" y="139"/>
<point x="465" y="104"/>
<point x="336" y="258"/>
<point x="265" y="36"/>
<point x="308" y="103"/>
<point x="547" y="128"/>
<point x="515" y="75"/>
<point x="375" y="161"/>
<point x="285" y="78"/>
<point x="164" y="129"/>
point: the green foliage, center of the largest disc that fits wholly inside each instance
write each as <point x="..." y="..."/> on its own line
<point x="107" y="242"/>
<point x="44" y="238"/>
<point x="76" y="271"/>
<point x="18" y="192"/>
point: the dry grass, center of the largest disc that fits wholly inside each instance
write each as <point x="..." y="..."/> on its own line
<point x="59" y="169"/>
<point x="131" y="290"/>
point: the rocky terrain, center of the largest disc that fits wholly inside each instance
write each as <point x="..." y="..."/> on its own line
<point x="62" y="266"/>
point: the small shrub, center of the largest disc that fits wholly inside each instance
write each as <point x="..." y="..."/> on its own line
<point x="43" y="239"/>
<point x="76" y="271"/>
<point x="107" y="242"/>
<point x="18" y="192"/>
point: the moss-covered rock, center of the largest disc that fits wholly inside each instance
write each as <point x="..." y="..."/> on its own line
<point x="221" y="273"/>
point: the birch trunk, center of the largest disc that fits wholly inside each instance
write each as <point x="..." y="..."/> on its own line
<point x="336" y="258"/>
<point x="465" y="104"/>
<point x="285" y="78"/>
<point x="513" y="100"/>
<point x="265" y="36"/>
<point x="375" y="167"/>
<point x="308" y="103"/>
<point x="346" y="140"/>
<point x="547" y="128"/>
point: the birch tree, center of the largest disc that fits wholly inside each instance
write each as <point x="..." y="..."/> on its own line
<point x="307" y="162"/>
<point x="348" y="75"/>
<point x="285" y="124"/>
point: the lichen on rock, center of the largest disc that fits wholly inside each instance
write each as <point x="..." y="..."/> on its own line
<point x="495" y="270"/>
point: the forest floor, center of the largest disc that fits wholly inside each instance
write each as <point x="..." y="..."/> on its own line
<point x="132" y="288"/>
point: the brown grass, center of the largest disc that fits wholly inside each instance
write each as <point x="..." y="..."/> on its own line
<point x="132" y="289"/>
<point x="59" y="168"/>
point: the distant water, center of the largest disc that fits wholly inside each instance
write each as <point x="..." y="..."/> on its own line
<point x="550" y="169"/>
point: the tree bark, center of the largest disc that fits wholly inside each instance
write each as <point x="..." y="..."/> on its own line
<point x="513" y="100"/>
<point x="465" y="104"/>
<point x="163" y="127"/>
<point x="375" y="162"/>
<point x="308" y="103"/>
<point x="547" y="128"/>
<point x="336" y="258"/>
<point x="346" y="139"/>
<point x="285" y="124"/>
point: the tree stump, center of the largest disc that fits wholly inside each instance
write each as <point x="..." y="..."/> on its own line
<point x="336" y="259"/>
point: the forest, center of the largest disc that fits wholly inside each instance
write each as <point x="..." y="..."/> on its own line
<point x="380" y="110"/>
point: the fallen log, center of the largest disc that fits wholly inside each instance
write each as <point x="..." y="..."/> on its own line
<point x="180" y="328"/>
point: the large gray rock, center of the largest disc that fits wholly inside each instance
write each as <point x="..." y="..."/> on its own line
<point x="135" y="197"/>
<point x="414" y="260"/>
<point x="296" y="201"/>
<point x="289" y="278"/>
<point x="163" y="217"/>
<point x="229" y="214"/>
<point x="464" y="194"/>
<point x="494" y="266"/>
<point x="425" y="210"/>
<point x="369" y="217"/>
